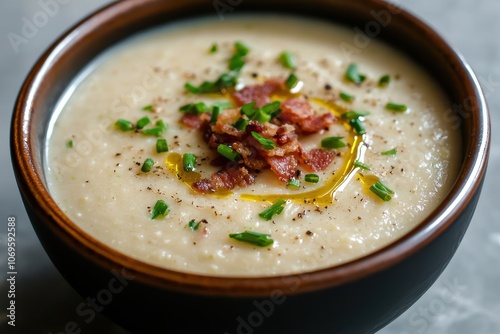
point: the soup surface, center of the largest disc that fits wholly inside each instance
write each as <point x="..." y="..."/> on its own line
<point x="399" y="137"/>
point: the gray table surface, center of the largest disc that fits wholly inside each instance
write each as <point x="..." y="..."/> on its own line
<point x="45" y="302"/>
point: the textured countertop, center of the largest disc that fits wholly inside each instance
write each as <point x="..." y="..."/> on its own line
<point x="464" y="300"/>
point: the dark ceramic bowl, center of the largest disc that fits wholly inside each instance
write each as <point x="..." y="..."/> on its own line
<point x="357" y="297"/>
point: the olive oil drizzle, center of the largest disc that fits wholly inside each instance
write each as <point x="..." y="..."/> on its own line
<point x="322" y="195"/>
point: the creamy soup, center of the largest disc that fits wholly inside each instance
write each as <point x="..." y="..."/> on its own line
<point x="107" y="127"/>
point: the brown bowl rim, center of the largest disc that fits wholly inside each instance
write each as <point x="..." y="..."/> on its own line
<point x="30" y="180"/>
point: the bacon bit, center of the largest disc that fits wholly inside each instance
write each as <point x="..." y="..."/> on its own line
<point x="284" y="167"/>
<point x="225" y="180"/>
<point x="316" y="159"/>
<point x="299" y="112"/>
<point x="258" y="93"/>
<point x="191" y="120"/>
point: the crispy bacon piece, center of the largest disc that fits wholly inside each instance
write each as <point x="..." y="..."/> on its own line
<point x="192" y="121"/>
<point x="299" y="112"/>
<point x="284" y="167"/>
<point x="225" y="180"/>
<point x="316" y="159"/>
<point x="258" y="93"/>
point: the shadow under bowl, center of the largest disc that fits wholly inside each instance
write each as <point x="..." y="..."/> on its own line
<point x="360" y="296"/>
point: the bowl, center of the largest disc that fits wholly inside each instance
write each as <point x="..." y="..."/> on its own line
<point x="360" y="296"/>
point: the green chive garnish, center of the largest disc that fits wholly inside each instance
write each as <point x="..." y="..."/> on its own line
<point x="189" y="161"/>
<point x="346" y="97"/>
<point x="216" y="110"/>
<point x="394" y="151"/>
<point x="213" y="48"/>
<point x="287" y="59"/>
<point x="225" y="81"/>
<point x="396" y="107"/>
<point x="160" y="209"/>
<point x="274" y="209"/>
<point x="157" y="131"/>
<point x="355" y="114"/>
<point x="228" y="152"/>
<point x="353" y="75"/>
<point x="69" y="144"/>
<point x="358" y="126"/>
<point x="148" y="108"/>
<point x="271" y="107"/>
<point x="382" y="191"/>
<point x="124" y="125"/>
<point x="293" y="183"/>
<point x="241" y="48"/>
<point x="192" y="88"/>
<point x="143" y="122"/>
<point x="263" y="114"/>
<point x="194" y="108"/>
<point x="311" y="178"/>
<point x="268" y="144"/>
<point x="223" y="105"/>
<point x="333" y="142"/>
<point x="193" y="225"/>
<point x="292" y="81"/>
<point x="241" y="124"/>
<point x="236" y="62"/>
<point x="249" y="110"/>
<point x="254" y="238"/>
<point x="147" y="165"/>
<point x="161" y="146"/>
<point x="384" y="81"/>
<point x="361" y="165"/>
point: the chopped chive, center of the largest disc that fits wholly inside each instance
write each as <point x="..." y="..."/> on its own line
<point x="213" y="48"/>
<point x="311" y="178"/>
<point x="124" y="125"/>
<point x="287" y="59"/>
<point x="161" y="146"/>
<point x="292" y="81"/>
<point x="241" y="124"/>
<point x="147" y="165"/>
<point x="193" y="225"/>
<point x="384" y="81"/>
<point x="156" y="131"/>
<point x="274" y="209"/>
<point x="241" y="49"/>
<point x="69" y="144"/>
<point x="192" y="88"/>
<point x="382" y="191"/>
<point x="160" y="209"/>
<point x="261" y="116"/>
<point x="268" y="144"/>
<point x="353" y="74"/>
<point x="394" y="151"/>
<point x="396" y="107"/>
<point x="236" y="62"/>
<point x="355" y="114"/>
<point x="223" y="105"/>
<point x="194" y="108"/>
<point x="293" y="183"/>
<point x="189" y="161"/>
<point x="159" y="123"/>
<point x="216" y="110"/>
<point x="148" y="108"/>
<point x="361" y="165"/>
<point x="143" y="122"/>
<point x="271" y="107"/>
<point x="346" y="97"/>
<point x="249" y="110"/>
<point x="228" y="152"/>
<point x="254" y="238"/>
<point x="333" y="142"/>
<point x="358" y="126"/>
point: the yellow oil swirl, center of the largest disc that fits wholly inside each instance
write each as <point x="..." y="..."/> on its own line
<point x="324" y="195"/>
<point x="175" y="166"/>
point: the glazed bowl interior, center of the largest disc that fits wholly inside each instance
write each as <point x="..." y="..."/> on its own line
<point x="56" y="69"/>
